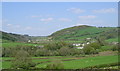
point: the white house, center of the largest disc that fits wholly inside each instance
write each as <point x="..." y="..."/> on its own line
<point x="88" y="42"/>
<point x="79" y="47"/>
<point x="83" y="44"/>
<point x="88" y="38"/>
<point x="29" y="41"/>
<point x="76" y="44"/>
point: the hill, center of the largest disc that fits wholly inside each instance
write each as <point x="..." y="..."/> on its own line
<point x="10" y="37"/>
<point x="84" y="31"/>
<point x="76" y="33"/>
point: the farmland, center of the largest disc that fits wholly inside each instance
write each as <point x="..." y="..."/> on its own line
<point x="69" y="62"/>
<point x="16" y="44"/>
<point x="61" y="49"/>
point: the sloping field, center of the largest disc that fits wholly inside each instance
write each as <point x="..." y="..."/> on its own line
<point x="91" y="61"/>
<point x="85" y="62"/>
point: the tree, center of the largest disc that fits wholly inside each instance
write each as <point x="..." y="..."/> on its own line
<point x="101" y="40"/>
<point x="64" y="51"/>
<point x="74" y="51"/>
<point x="22" y="60"/>
<point x="7" y="52"/>
<point x="42" y="52"/>
<point x="88" y="49"/>
<point x="95" y="45"/>
<point x="58" y="45"/>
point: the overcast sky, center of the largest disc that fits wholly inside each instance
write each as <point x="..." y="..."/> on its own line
<point x="44" y="18"/>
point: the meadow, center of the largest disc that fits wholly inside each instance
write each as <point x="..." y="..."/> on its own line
<point x="68" y="62"/>
<point x="17" y="44"/>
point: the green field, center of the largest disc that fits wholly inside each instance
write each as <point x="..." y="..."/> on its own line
<point x="112" y="40"/>
<point x="76" y="63"/>
<point x="92" y="61"/>
<point x="85" y="62"/>
<point x="79" y="32"/>
<point x="7" y="63"/>
<point x="15" y="44"/>
<point x="105" y="48"/>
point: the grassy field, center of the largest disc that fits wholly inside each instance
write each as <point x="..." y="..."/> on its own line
<point x="79" y="32"/>
<point x="105" y="48"/>
<point x="85" y="62"/>
<point x="6" y="64"/>
<point x="76" y="63"/>
<point x="15" y="44"/>
<point x="92" y="61"/>
<point x="112" y="40"/>
<point x="6" y="61"/>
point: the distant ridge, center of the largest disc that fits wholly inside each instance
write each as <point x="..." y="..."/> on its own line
<point x="6" y="37"/>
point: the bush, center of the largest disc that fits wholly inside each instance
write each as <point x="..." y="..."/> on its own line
<point x="8" y="52"/>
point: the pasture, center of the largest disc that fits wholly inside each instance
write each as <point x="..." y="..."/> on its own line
<point x="68" y="62"/>
<point x="17" y="44"/>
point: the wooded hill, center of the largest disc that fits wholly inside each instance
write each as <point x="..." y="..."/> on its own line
<point x="10" y="37"/>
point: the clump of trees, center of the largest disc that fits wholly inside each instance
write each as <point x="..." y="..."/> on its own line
<point x="52" y="49"/>
<point x="60" y="48"/>
<point x="57" y="45"/>
<point x="11" y="51"/>
<point x="42" y="52"/>
<point x="64" y="51"/>
<point x="92" y="48"/>
<point x="101" y="40"/>
<point x="8" y="52"/>
<point x="22" y="60"/>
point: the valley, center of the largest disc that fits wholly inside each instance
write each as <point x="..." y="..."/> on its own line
<point x="78" y="47"/>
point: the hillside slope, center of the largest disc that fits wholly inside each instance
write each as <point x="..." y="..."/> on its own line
<point x="84" y="31"/>
<point x="6" y="37"/>
<point x="72" y="33"/>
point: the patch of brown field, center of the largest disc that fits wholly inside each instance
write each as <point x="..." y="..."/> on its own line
<point x="51" y="58"/>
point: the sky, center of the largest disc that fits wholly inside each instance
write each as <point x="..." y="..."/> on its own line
<point x="60" y="0"/>
<point x="44" y="18"/>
